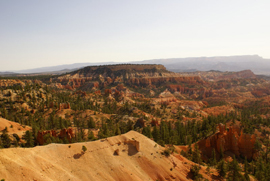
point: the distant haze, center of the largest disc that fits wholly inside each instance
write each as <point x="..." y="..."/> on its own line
<point x="223" y="63"/>
<point x="49" y="33"/>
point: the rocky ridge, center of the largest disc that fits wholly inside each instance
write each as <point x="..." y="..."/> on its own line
<point x="133" y="75"/>
<point x="131" y="156"/>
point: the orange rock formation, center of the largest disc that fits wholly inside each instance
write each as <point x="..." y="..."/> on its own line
<point x="233" y="140"/>
<point x="64" y="106"/>
<point x="64" y="133"/>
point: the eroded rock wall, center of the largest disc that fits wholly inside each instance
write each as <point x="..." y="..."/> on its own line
<point x="233" y="140"/>
<point x="63" y="134"/>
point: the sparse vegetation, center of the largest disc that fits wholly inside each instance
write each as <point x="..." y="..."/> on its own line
<point x="195" y="172"/>
<point x="182" y="111"/>
<point x="84" y="149"/>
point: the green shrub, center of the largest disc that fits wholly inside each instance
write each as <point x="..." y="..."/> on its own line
<point x="84" y="149"/>
<point x="194" y="170"/>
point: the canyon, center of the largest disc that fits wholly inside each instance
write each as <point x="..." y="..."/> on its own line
<point x="106" y="109"/>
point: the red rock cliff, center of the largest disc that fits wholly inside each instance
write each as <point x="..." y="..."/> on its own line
<point x="64" y="133"/>
<point x="233" y="140"/>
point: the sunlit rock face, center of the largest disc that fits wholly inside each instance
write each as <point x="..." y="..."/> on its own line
<point x="233" y="140"/>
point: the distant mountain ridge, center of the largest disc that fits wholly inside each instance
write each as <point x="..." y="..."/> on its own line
<point x="66" y="67"/>
<point x="254" y="63"/>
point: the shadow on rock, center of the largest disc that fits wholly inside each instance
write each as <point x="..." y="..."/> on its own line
<point x="78" y="155"/>
<point x="131" y="149"/>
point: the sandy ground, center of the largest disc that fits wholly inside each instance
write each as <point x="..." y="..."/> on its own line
<point x="13" y="127"/>
<point x="143" y="161"/>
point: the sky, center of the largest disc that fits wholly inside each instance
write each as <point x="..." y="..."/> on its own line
<point x="46" y="33"/>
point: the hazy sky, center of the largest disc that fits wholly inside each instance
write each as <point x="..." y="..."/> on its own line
<point x="54" y="32"/>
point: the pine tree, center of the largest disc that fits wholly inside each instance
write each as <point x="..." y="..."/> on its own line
<point x="196" y="155"/>
<point x="213" y="160"/>
<point x="105" y="129"/>
<point x="222" y="170"/>
<point x="257" y="145"/>
<point x="190" y="152"/>
<point x="6" y="141"/>
<point x="28" y="137"/>
<point x="91" y="123"/>
<point x="155" y="134"/>
<point x="194" y="170"/>
<point x="147" y="132"/>
<point x="260" y="169"/>
<point x="221" y="153"/>
<point x="234" y="171"/>
<point x="117" y="130"/>
<point x="246" y="170"/>
<point x="129" y="125"/>
<point x="164" y="132"/>
<point x="91" y="135"/>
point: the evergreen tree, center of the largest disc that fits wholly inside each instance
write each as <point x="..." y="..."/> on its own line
<point x="246" y="170"/>
<point x="221" y="152"/>
<point x="129" y="125"/>
<point x="164" y="132"/>
<point x="28" y="137"/>
<point x="234" y="171"/>
<point x="190" y="152"/>
<point x="6" y="141"/>
<point x="117" y="130"/>
<point x="195" y="169"/>
<point x="147" y="132"/>
<point x="260" y="169"/>
<point x="91" y="123"/>
<point x="257" y="145"/>
<point x="222" y="170"/>
<point x="91" y="135"/>
<point x="156" y="134"/>
<point x="105" y="129"/>
<point x="196" y="155"/>
<point x="213" y="160"/>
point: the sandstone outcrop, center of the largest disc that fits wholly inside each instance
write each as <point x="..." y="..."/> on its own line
<point x="110" y="98"/>
<point x="13" y="127"/>
<point x="66" y="133"/>
<point x="94" y="77"/>
<point x="201" y="92"/>
<point x="11" y="83"/>
<point x="233" y="140"/>
<point x="218" y="75"/>
<point x="41" y="134"/>
<point x="82" y="93"/>
<point x="64" y="106"/>
<point x="135" y="143"/>
<point x="260" y="92"/>
<point x="63" y="134"/>
<point x="154" y="123"/>
<point x="157" y="81"/>
<point x="61" y="161"/>
<point x="245" y="74"/>
<point x="166" y="94"/>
